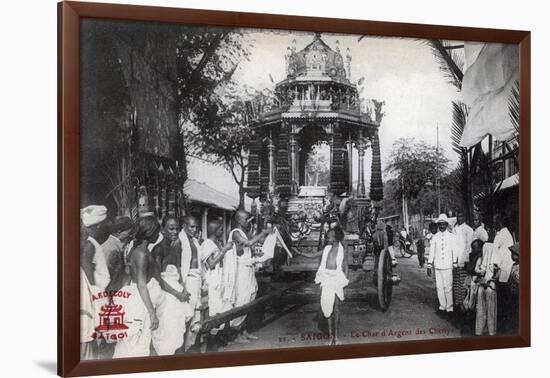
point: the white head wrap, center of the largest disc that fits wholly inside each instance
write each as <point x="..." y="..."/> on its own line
<point x="93" y="214"/>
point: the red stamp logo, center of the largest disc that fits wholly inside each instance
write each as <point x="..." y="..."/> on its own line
<point x="111" y="317"/>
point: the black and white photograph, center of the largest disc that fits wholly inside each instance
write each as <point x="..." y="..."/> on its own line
<point x="250" y="189"/>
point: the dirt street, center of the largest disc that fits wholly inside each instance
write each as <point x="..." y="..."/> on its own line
<point x="411" y="314"/>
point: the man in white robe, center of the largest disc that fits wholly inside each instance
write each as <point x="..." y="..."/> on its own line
<point x="212" y="256"/>
<point x="246" y="285"/>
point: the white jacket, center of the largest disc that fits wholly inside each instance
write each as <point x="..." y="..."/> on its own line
<point x="443" y="250"/>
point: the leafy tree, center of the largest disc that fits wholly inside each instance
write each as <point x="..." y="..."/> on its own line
<point x="414" y="164"/>
<point x="147" y="80"/>
<point x="426" y="203"/>
<point x="463" y="180"/>
<point x="223" y="135"/>
<point x="213" y="118"/>
<point x="391" y="204"/>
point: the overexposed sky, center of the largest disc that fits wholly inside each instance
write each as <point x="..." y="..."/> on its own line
<point x="402" y="72"/>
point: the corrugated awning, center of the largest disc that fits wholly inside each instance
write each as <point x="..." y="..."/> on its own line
<point x="200" y="192"/>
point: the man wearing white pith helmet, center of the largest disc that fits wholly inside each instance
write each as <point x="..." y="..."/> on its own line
<point x="443" y="258"/>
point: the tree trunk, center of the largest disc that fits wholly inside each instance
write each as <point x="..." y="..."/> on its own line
<point x="241" y="196"/>
<point x="241" y="189"/>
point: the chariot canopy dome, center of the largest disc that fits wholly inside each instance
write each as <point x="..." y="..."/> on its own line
<point x="317" y="60"/>
<point x="316" y="102"/>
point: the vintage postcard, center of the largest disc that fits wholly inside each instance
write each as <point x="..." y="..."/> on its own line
<point x="248" y="189"/>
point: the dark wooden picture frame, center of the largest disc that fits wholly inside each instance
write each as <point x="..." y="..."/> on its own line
<point x="69" y="17"/>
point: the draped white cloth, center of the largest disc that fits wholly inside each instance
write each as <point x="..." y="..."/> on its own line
<point x="101" y="270"/>
<point x="186" y="253"/>
<point x="332" y="281"/>
<point x="246" y="285"/>
<point x="499" y="255"/>
<point x="193" y="285"/>
<point x="491" y="71"/>
<point x="138" y="342"/>
<point x="88" y="312"/>
<point x="229" y="276"/>
<point x="214" y="278"/>
<point x="172" y="313"/>
<point x="268" y="247"/>
<point x="464" y="237"/>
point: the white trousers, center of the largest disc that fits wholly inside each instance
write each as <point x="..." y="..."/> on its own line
<point x="444" y="285"/>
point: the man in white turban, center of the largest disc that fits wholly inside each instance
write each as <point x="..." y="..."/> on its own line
<point x="92" y="217"/>
<point x="94" y="276"/>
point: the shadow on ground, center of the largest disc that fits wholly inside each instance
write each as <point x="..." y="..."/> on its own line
<point x="49" y="366"/>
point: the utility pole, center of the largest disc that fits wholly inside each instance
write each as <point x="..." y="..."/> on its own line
<point x="437" y="181"/>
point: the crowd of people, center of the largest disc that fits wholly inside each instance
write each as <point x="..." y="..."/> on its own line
<point x="476" y="273"/>
<point x="476" y="269"/>
<point x="147" y="285"/>
<point x="144" y="284"/>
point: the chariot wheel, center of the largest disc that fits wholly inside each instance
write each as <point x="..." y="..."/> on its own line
<point x="385" y="280"/>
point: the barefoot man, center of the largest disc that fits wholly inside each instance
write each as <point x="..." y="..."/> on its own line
<point x="332" y="276"/>
<point x="246" y="285"/>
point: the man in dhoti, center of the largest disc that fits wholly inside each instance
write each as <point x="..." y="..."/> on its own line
<point x="173" y="310"/>
<point x="246" y="285"/>
<point x="443" y="258"/>
<point x="191" y="273"/>
<point x="94" y="277"/>
<point x="332" y="276"/>
<point x="212" y="256"/>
